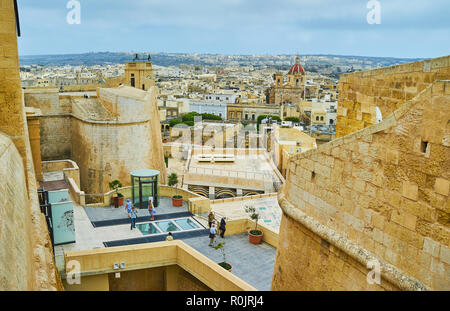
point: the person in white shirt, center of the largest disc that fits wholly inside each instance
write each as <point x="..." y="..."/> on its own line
<point x="212" y="234"/>
<point x="151" y="208"/>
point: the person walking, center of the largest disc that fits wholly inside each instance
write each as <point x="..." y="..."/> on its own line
<point x="212" y="234"/>
<point x="169" y="237"/>
<point x="151" y="208"/>
<point x="133" y="216"/>
<point x="210" y="218"/>
<point x="128" y="208"/>
<point x="222" y="227"/>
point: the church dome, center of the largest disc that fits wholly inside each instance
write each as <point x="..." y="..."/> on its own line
<point x="297" y="68"/>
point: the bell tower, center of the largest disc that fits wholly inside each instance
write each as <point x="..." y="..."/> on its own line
<point x="139" y="73"/>
<point x="278" y="77"/>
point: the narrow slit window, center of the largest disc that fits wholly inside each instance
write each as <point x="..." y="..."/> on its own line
<point x="423" y="146"/>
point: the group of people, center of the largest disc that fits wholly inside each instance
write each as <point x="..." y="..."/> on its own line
<point x="132" y="212"/>
<point x="213" y="228"/>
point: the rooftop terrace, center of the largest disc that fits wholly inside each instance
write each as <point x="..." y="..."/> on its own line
<point x="102" y="227"/>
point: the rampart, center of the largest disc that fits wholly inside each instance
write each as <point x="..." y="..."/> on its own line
<point x="380" y="193"/>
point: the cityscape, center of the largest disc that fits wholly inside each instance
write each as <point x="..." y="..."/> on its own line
<point x="183" y="171"/>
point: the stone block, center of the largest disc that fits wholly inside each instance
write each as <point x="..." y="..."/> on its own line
<point x="410" y="190"/>
<point x="431" y="247"/>
<point x="392" y="156"/>
<point x="437" y="267"/>
<point x="359" y="185"/>
<point x="409" y="221"/>
<point x="363" y="148"/>
<point x="445" y="254"/>
<point x="442" y="186"/>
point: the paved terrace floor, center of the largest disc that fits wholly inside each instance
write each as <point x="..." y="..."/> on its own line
<point x="252" y="263"/>
<point x="268" y="208"/>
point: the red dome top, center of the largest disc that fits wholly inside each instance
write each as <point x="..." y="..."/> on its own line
<point x="297" y="68"/>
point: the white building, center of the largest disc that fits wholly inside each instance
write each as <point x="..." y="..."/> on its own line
<point x="212" y="107"/>
<point x="227" y="98"/>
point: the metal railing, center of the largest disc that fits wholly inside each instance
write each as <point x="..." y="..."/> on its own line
<point x="228" y="173"/>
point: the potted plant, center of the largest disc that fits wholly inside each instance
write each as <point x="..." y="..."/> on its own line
<point x="224" y="264"/>
<point x="254" y="235"/>
<point x="118" y="199"/>
<point x="177" y="200"/>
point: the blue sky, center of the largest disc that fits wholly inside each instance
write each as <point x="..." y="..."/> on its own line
<point x="409" y="28"/>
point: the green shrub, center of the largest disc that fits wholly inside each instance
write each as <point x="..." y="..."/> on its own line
<point x="263" y="116"/>
<point x="173" y="181"/>
<point x="292" y="119"/>
<point x="115" y="185"/>
<point x="174" y="122"/>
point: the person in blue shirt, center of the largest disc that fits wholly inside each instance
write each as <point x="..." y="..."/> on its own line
<point x="128" y="208"/>
<point x="133" y="216"/>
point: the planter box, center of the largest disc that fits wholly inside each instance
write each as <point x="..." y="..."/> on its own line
<point x="231" y="267"/>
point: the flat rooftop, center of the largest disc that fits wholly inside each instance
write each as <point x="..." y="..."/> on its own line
<point x="267" y="207"/>
<point x="252" y="166"/>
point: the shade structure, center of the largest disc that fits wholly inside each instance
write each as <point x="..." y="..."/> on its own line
<point x="145" y="184"/>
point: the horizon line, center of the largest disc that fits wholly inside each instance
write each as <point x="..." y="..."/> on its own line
<point x="223" y="54"/>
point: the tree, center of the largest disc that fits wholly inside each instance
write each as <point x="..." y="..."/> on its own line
<point x="292" y="119"/>
<point x="254" y="215"/>
<point x="115" y="185"/>
<point x="189" y="117"/>
<point x="173" y="181"/>
<point x="223" y="264"/>
<point x="174" y="122"/>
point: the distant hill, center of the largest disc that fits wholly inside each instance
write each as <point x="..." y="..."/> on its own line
<point x="173" y="59"/>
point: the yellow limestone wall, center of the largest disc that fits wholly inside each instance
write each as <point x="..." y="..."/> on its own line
<point x="387" y="88"/>
<point x="26" y="259"/>
<point x="102" y="147"/>
<point x="192" y="271"/>
<point x="376" y="193"/>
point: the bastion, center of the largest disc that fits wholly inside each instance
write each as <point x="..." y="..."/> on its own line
<point x="378" y="196"/>
<point x="108" y="134"/>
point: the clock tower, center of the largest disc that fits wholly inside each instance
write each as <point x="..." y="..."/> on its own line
<point x="139" y="73"/>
